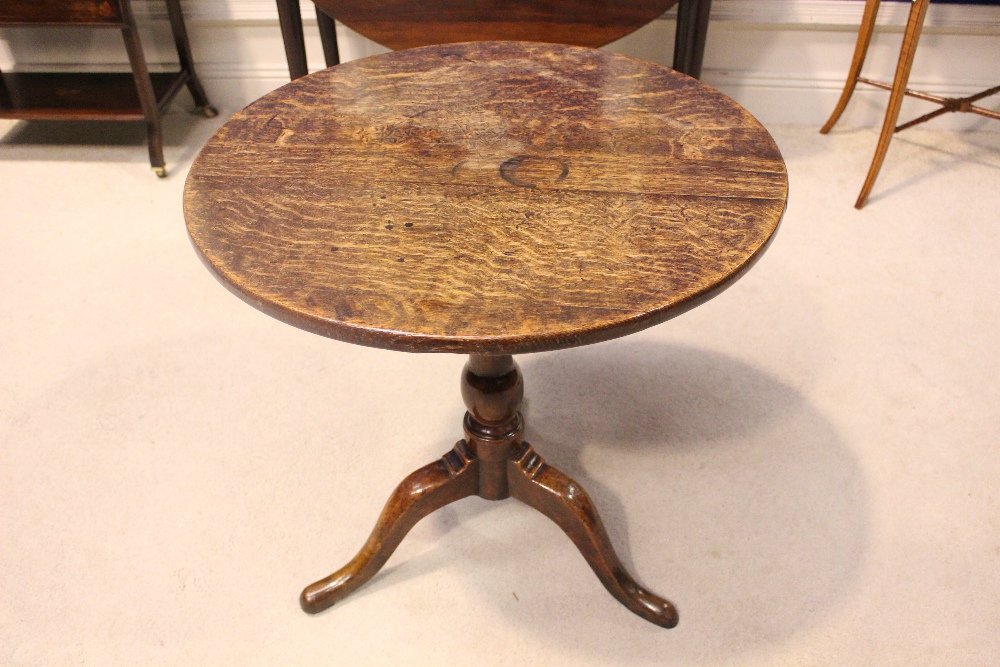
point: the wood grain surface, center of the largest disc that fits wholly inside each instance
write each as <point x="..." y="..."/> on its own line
<point x="491" y="198"/>
<point x="404" y="24"/>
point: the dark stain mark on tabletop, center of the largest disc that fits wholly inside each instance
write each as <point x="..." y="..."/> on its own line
<point x="531" y="171"/>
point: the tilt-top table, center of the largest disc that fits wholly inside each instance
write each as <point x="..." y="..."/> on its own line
<point x="489" y="199"/>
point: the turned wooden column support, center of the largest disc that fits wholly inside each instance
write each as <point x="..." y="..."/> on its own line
<point x="492" y="388"/>
<point x="493" y="462"/>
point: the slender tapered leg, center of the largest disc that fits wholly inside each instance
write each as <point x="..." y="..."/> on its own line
<point x="448" y="479"/>
<point x="328" y="37"/>
<point x="535" y="483"/>
<point x="290" y="19"/>
<point x="910" y="38"/>
<point x="144" y="88"/>
<point x="183" y="45"/>
<point x="690" y="36"/>
<point x="860" y="51"/>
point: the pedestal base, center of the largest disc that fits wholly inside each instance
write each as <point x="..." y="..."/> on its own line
<point x="493" y="462"/>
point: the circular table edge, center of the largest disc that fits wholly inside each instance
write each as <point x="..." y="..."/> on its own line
<point x="403" y="341"/>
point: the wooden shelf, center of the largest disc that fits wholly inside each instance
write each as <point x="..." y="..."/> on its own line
<point x="81" y="96"/>
<point x="62" y="12"/>
<point x="135" y="95"/>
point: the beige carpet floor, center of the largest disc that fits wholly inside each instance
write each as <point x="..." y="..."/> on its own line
<point x="808" y="465"/>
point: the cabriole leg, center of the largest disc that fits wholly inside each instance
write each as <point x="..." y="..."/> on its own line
<point x="535" y="483"/>
<point x="448" y="479"/>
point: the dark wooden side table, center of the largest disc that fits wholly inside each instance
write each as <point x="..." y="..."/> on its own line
<point x="139" y="95"/>
<point x="487" y="199"/>
<point x="405" y="24"/>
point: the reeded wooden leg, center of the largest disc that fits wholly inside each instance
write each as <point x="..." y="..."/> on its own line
<point x="860" y="51"/>
<point x="535" y="483"/>
<point x="910" y="38"/>
<point x="452" y="477"/>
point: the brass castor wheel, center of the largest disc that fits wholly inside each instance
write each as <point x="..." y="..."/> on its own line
<point x="208" y="111"/>
<point x="161" y="172"/>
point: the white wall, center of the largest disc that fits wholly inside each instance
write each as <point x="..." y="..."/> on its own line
<point x="785" y="60"/>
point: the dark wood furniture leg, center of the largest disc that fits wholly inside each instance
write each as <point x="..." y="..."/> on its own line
<point x="290" y="18"/>
<point x="328" y="36"/>
<point x="494" y="462"/>
<point x="144" y="87"/>
<point x="558" y="497"/>
<point x="448" y="479"/>
<point x="692" y="30"/>
<point x="183" y="45"/>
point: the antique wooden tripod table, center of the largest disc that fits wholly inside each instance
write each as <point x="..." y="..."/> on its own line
<point x="489" y="199"/>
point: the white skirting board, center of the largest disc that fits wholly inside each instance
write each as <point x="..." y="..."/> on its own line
<point x="784" y="60"/>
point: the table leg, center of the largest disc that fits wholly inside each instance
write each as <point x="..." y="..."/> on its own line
<point x="183" y="45"/>
<point x="911" y="36"/>
<point x="860" y="51"/>
<point x="328" y="37"/>
<point x="448" y="479"/>
<point x="690" y="36"/>
<point x="290" y="19"/>
<point x="144" y="88"/>
<point x="557" y="496"/>
<point x="494" y="462"/>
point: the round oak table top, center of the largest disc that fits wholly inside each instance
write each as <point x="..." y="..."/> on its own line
<point x="485" y="198"/>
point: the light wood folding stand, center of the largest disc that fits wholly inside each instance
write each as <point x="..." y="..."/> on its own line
<point x="914" y="24"/>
